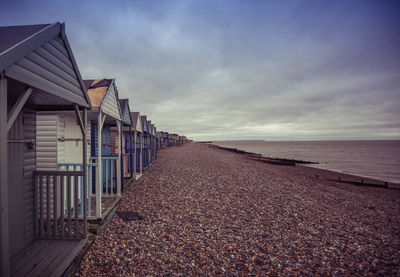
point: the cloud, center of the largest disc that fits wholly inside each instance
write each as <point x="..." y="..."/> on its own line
<point x="241" y="69"/>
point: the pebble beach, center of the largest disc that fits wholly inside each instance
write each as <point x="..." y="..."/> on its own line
<point x="205" y="211"/>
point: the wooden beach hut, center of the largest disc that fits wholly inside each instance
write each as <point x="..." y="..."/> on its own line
<point x="152" y="143"/>
<point x="125" y="141"/>
<point x="146" y="143"/>
<point x="156" y="138"/>
<point x="39" y="235"/>
<point x="159" y="136"/>
<point x="135" y="162"/>
<point x="173" y="139"/>
<point x="164" y="139"/>
<point x="105" y="113"/>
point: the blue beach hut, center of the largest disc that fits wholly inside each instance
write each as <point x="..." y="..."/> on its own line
<point x="146" y="143"/>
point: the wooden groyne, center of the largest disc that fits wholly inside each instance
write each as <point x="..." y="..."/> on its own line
<point x="270" y="160"/>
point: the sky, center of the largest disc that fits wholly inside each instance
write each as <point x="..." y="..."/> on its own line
<point x="246" y="69"/>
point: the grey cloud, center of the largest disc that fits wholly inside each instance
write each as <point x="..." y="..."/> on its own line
<point x="242" y="69"/>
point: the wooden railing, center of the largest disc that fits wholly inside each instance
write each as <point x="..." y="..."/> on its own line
<point x="91" y="169"/>
<point x="56" y="205"/>
<point x="109" y="179"/>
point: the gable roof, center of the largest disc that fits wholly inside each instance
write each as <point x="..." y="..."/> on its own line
<point x="104" y="96"/>
<point x="41" y="57"/>
<point x="148" y="126"/>
<point x="125" y="111"/>
<point x="12" y="35"/>
<point x="97" y="90"/>
<point x="136" y="121"/>
<point x="144" y="123"/>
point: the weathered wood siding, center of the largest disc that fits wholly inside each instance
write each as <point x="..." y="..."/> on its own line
<point x="21" y="192"/>
<point x="29" y="118"/>
<point x="49" y="68"/>
<point x="52" y="128"/>
<point x="46" y="141"/>
<point x="73" y="149"/>
<point x="126" y="117"/>
<point x="105" y="140"/>
<point x="139" y="124"/>
<point x="110" y="105"/>
<point x="60" y="134"/>
<point x="114" y="142"/>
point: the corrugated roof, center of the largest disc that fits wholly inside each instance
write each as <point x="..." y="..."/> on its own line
<point x="12" y="35"/>
<point x="96" y="90"/>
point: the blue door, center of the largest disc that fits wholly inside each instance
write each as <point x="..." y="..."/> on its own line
<point x="129" y="150"/>
<point x="105" y="151"/>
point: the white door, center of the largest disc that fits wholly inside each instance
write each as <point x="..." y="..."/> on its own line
<point x="73" y="141"/>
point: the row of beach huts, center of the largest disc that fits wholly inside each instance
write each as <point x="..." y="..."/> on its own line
<point x="68" y="147"/>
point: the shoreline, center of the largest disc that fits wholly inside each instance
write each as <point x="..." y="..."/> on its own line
<point x="330" y="175"/>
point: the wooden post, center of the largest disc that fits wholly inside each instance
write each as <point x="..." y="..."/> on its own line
<point x="4" y="236"/>
<point x="121" y="156"/>
<point x="119" y="123"/>
<point x="85" y="174"/>
<point x="99" y="177"/>
<point x="141" y="152"/>
<point x="133" y="144"/>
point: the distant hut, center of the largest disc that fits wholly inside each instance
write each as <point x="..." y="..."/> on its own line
<point x="139" y="145"/>
<point x="106" y="113"/>
<point x="170" y="139"/>
<point x="166" y="139"/>
<point x="153" y="142"/>
<point x="125" y="140"/>
<point x="156" y="141"/>
<point x="163" y="139"/>
<point x="133" y="163"/>
<point x="173" y="139"/>
<point x="38" y="72"/>
<point x="146" y="143"/>
<point x="149" y="143"/>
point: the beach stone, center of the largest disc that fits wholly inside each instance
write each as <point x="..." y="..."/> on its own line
<point x="210" y="212"/>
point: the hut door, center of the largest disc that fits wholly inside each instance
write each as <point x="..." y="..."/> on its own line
<point x="73" y="141"/>
<point x="21" y="160"/>
<point x="128" y="150"/>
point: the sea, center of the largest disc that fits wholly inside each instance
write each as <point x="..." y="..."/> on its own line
<point x="377" y="159"/>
